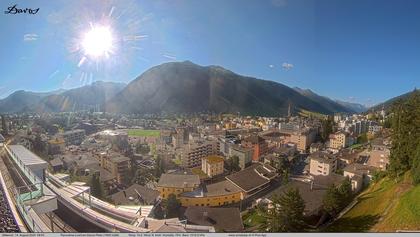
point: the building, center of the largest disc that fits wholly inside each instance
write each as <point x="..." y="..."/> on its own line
<point x="253" y="179"/>
<point x="212" y="195"/>
<point x="135" y="195"/>
<point x="74" y="137"/>
<point x="28" y="160"/>
<point x="314" y="147"/>
<point x="303" y="138"/>
<point x="379" y="156"/>
<point x="322" y="163"/>
<point x="359" y="174"/>
<point x="195" y="151"/>
<point x="258" y="144"/>
<point x="339" y="140"/>
<point x="177" y="184"/>
<point x="212" y="165"/>
<point x="56" y="146"/>
<point x="56" y="164"/>
<point x="223" y="219"/>
<point x="116" y="164"/>
<point x="243" y="153"/>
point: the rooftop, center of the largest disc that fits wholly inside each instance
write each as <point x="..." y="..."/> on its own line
<point x="223" y="219"/>
<point x="26" y="156"/>
<point x="214" y="159"/>
<point x="251" y="178"/>
<point x="178" y="180"/>
<point x="323" y="157"/>
<point x="130" y="196"/>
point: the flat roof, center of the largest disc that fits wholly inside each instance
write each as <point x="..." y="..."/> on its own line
<point x="26" y="156"/>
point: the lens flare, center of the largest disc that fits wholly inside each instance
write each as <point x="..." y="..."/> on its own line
<point x="98" y="42"/>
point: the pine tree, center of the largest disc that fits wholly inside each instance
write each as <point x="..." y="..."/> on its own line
<point x="172" y="206"/>
<point x="405" y="135"/>
<point x="286" y="214"/>
<point x="331" y="201"/>
<point x="96" y="186"/>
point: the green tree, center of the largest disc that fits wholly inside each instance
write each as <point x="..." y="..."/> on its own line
<point x="327" y="128"/>
<point x="232" y="164"/>
<point x="172" y="206"/>
<point x="331" y="201"/>
<point x="405" y="135"/>
<point x="362" y="138"/>
<point x="286" y="214"/>
<point x="142" y="148"/>
<point x="159" y="167"/>
<point x="346" y="192"/>
<point x="96" y="186"/>
<point x="158" y="212"/>
<point x="415" y="170"/>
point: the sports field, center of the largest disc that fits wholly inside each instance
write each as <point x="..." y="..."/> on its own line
<point x="143" y="133"/>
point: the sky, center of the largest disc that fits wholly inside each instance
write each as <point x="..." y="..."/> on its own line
<point x="360" y="51"/>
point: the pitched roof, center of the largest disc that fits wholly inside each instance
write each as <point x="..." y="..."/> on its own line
<point x="147" y="195"/>
<point x="252" y="177"/>
<point x="223" y="219"/>
<point x="178" y="180"/>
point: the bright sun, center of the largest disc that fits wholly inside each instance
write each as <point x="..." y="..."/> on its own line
<point x="98" y="42"/>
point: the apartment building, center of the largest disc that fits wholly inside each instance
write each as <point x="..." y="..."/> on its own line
<point x="303" y="138"/>
<point x="340" y="140"/>
<point x="74" y="137"/>
<point x="116" y="164"/>
<point x="212" y="165"/>
<point x="243" y="153"/>
<point x="322" y="163"/>
<point x="258" y="144"/>
<point x="195" y="151"/>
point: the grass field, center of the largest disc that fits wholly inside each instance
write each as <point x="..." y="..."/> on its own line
<point x="385" y="206"/>
<point x="143" y="133"/>
<point x="252" y="219"/>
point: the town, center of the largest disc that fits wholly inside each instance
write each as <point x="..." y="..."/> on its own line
<point x="212" y="171"/>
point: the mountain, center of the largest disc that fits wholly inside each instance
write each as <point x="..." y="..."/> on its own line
<point x="85" y="97"/>
<point x="358" y="108"/>
<point x="387" y="104"/>
<point x="184" y="87"/>
<point x="19" y="100"/>
<point x="328" y="103"/>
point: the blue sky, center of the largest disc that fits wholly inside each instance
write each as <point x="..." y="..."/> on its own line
<point x="363" y="51"/>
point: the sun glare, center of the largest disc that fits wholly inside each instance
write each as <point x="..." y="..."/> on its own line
<point x="98" y="42"/>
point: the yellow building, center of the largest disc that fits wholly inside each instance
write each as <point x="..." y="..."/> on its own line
<point x="212" y="165"/>
<point x="214" y="195"/>
<point x="338" y="140"/>
<point x="177" y="184"/>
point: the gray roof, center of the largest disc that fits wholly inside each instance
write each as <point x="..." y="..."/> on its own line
<point x="178" y="180"/>
<point x="312" y="198"/>
<point x="360" y="169"/>
<point x="27" y="157"/>
<point x="56" y="162"/>
<point x="148" y="195"/>
<point x="248" y="179"/>
<point x="223" y="219"/>
<point x="323" y="157"/>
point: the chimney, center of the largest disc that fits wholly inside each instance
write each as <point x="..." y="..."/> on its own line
<point x="205" y="215"/>
<point x="312" y="185"/>
<point x="125" y="194"/>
